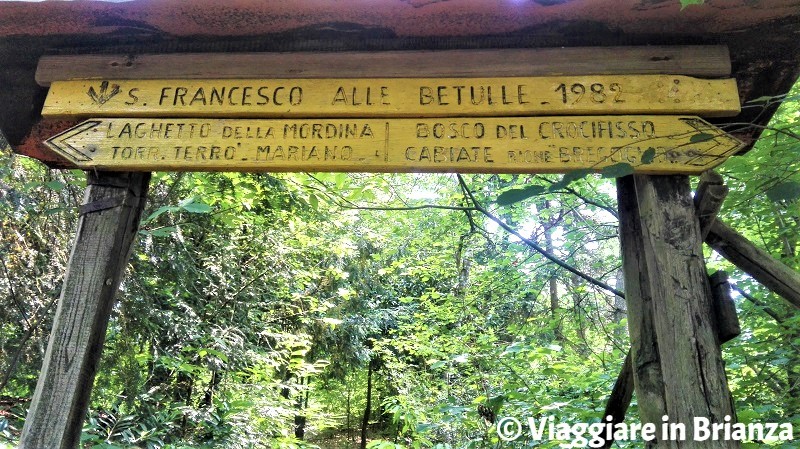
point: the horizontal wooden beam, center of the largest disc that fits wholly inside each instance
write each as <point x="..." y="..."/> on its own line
<point x="395" y="97"/>
<point x="701" y="61"/>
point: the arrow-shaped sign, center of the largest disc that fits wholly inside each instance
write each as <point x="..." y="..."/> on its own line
<point x="649" y="144"/>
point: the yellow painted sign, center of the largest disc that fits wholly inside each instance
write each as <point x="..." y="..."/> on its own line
<point x="394" y="97"/>
<point x="650" y="144"/>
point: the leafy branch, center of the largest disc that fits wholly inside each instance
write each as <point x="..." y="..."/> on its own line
<point x="478" y="207"/>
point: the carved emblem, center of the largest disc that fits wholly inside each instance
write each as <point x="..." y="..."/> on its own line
<point x="104" y="95"/>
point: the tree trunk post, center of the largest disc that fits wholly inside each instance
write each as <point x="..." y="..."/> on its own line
<point x="368" y="406"/>
<point x="106" y="231"/>
<point x="677" y="361"/>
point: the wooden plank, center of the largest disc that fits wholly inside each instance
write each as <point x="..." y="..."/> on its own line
<point x="670" y="307"/>
<point x="710" y="61"/>
<point x="644" y="368"/>
<point x="106" y="230"/>
<point x="394" y="97"/>
<point x="620" y="398"/>
<point x="725" y="315"/>
<point x="754" y="261"/>
<point x="487" y="145"/>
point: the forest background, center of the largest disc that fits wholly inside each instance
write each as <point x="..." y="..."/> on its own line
<point x="390" y="311"/>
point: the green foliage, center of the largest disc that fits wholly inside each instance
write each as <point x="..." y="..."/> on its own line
<point x="784" y="191"/>
<point x="618" y="170"/>
<point x="700" y="137"/>
<point x="569" y="178"/>
<point x="515" y="195"/>
<point x="762" y="205"/>
<point x="648" y="156"/>
<point x="687" y="3"/>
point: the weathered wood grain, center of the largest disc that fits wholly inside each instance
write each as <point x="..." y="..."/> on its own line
<point x="708" y="61"/>
<point x="620" y="398"/>
<point x="468" y="145"/>
<point x="754" y="261"/>
<point x="100" y="252"/>
<point x="669" y="307"/>
<point x="645" y="367"/>
<point x="711" y="193"/>
<point x="727" y="320"/>
<point x="395" y="97"/>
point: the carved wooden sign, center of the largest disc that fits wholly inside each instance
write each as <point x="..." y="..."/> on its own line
<point x="650" y="144"/>
<point x="394" y="97"/>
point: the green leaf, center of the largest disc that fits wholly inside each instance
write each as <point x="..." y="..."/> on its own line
<point x="197" y="208"/>
<point x="160" y="232"/>
<point x="516" y="195"/>
<point x="55" y="210"/>
<point x="701" y="137"/>
<point x="763" y="99"/>
<point x="617" y="170"/>
<point x="158" y="213"/>
<point x="686" y="3"/>
<point x="424" y="427"/>
<point x="648" y="156"/>
<point x="784" y="191"/>
<point x="313" y="201"/>
<point x="439" y="364"/>
<point x="55" y="185"/>
<point x="569" y="177"/>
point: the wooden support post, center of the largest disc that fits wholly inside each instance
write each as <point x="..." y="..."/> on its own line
<point x="754" y="261"/>
<point x="676" y="358"/>
<point x="648" y="378"/>
<point x="106" y="230"/>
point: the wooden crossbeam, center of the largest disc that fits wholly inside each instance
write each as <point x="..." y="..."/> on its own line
<point x="754" y="261"/>
<point x="707" y="61"/>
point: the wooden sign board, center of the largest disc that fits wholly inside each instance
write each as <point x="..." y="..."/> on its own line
<point x="395" y="97"/>
<point x="555" y="144"/>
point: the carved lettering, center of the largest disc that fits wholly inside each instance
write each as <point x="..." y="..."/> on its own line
<point x="229" y="95"/>
<point x="599" y="129"/>
<point x="366" y="96"/>
<point x="442" y="154"/>
<point x="327" y="131"/>
<point x="464" y="130"/>
<point x="594" y="92"/>
<point x="304" y="153"/>
<point x="476" y="95"/>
